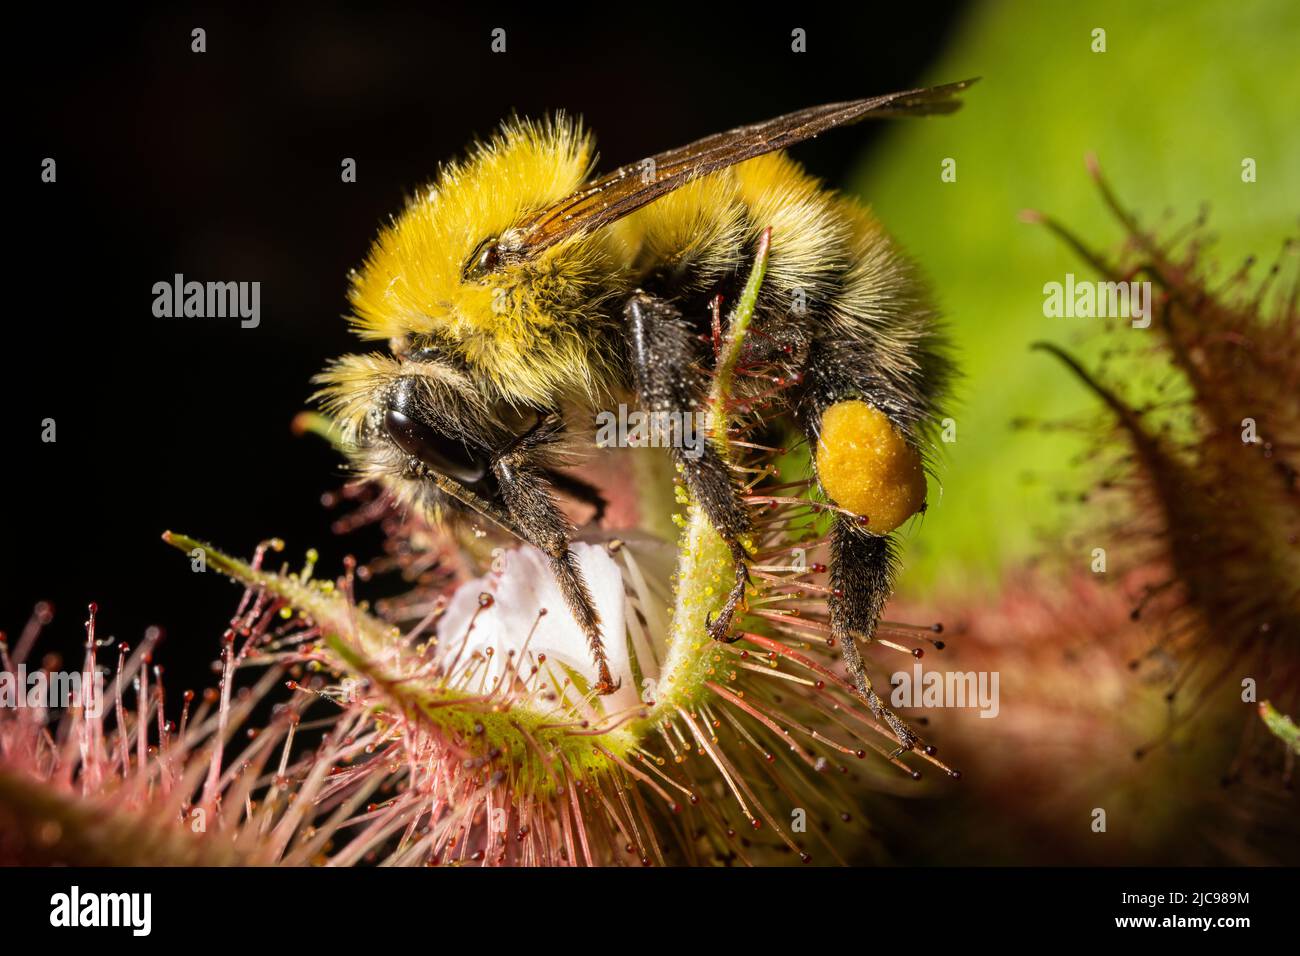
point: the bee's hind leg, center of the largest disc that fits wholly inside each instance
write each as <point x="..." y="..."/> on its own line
<point x="862" y="573"/>
<point x="663" y="353"/>
<point x="866" y="464"/>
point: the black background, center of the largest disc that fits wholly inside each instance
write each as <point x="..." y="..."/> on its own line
<point x="949" y="909"/>
<point x="226" y="166"/>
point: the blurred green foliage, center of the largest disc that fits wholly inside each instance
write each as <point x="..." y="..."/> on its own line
<point x="1183" y="92"/>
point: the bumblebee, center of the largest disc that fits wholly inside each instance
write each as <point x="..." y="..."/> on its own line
<point x="518" y="293"/>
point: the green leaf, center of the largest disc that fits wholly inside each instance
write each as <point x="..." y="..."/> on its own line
<point x="1184" y="92"/>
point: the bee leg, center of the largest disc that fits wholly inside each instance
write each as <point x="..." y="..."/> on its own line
<point x="862" y="572"/>
<point x="719" y="627"/>
<point x="858" y="426"/>
<point x="662" y="354"/>
<point x="535" y="517"/>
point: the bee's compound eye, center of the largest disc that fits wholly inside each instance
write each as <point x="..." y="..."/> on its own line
<point x="444" y="455"/>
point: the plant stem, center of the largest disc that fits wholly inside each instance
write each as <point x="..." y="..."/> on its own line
<point x="704" y="561"/>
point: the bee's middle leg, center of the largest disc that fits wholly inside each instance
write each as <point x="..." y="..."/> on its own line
<point x="662" y="352"/>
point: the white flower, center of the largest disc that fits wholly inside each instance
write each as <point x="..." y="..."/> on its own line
<point x="521" y="586"/>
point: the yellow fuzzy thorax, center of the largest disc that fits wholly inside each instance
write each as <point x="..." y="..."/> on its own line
<point x="539" y="332"/>
<point x="527" y="328"/>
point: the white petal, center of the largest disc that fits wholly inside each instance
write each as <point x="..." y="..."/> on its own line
<point x="522" y="587"/>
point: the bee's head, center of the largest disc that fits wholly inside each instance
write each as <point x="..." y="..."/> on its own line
<point x="524" y="328"/>
<point x="419" y="424"/>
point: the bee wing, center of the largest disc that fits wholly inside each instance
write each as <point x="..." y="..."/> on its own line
<point x="630" y="187"/>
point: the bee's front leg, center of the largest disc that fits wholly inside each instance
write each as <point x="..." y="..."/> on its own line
<point x="662" y="353"/>
<point x="534" y="515"/>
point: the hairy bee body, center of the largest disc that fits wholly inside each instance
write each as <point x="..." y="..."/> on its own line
<point x="550" y="333"/>
<point x="835" y="281"/>
<point x="516" y="292"/>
